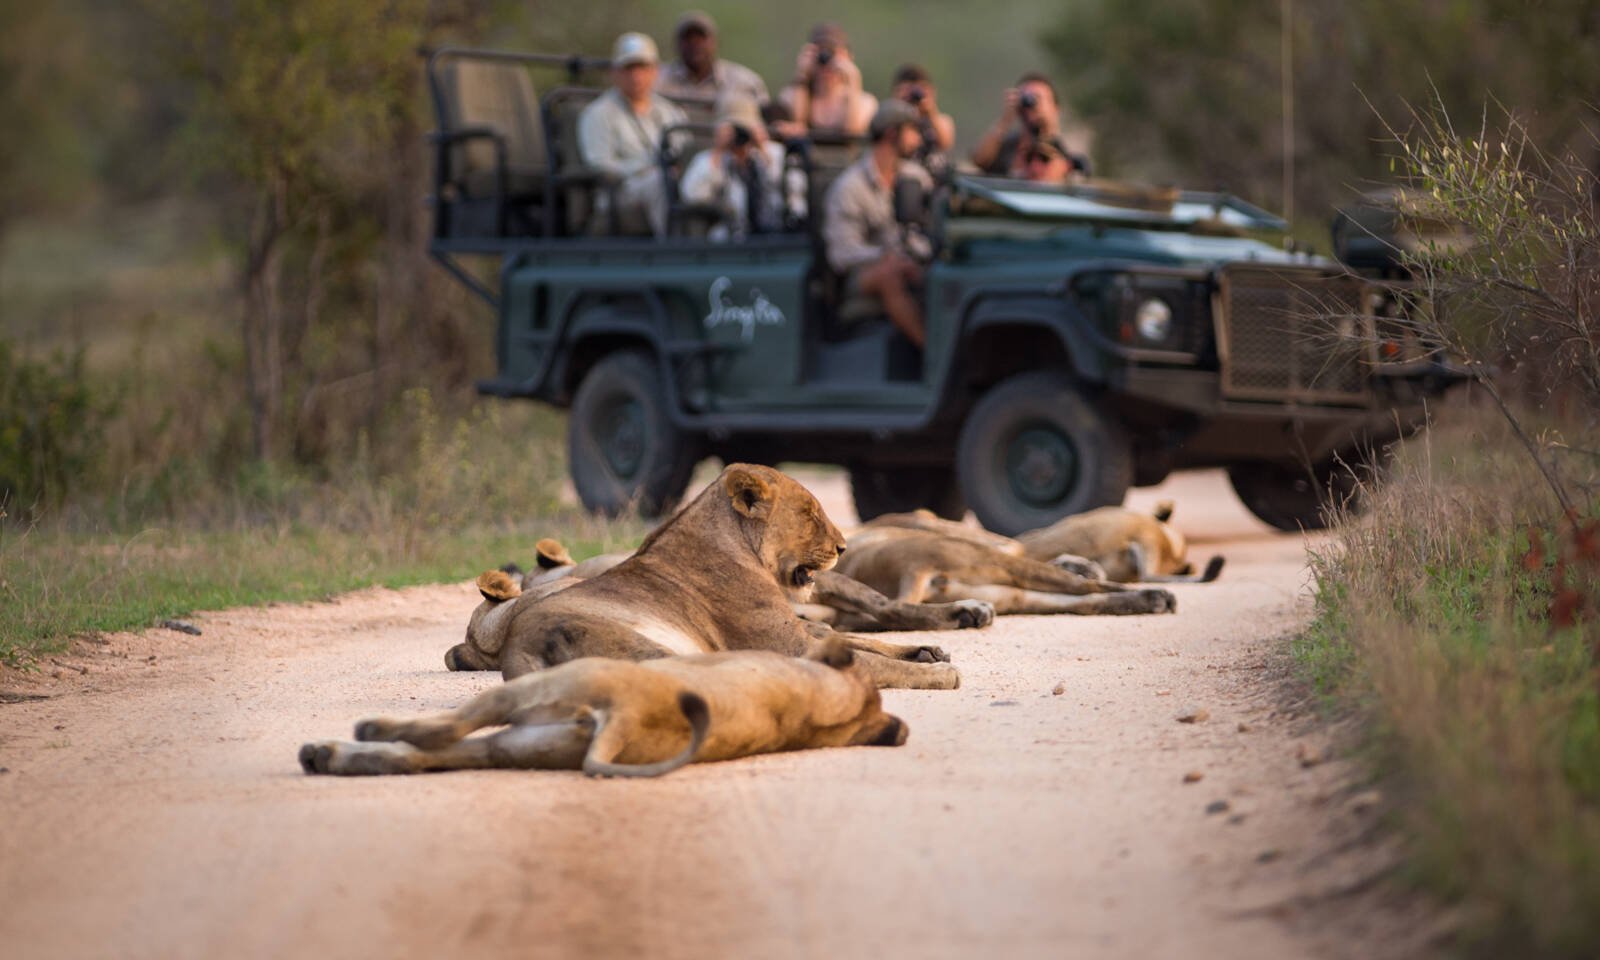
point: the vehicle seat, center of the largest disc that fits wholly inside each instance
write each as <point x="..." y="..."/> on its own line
<point x="494" y="166"/>
<point x="581" y="214"/>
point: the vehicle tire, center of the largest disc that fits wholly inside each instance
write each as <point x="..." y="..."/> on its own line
<point x="881" y="490"/>
<point x="1034" y="450"/>
<point x="1291" y="497"/>
<point x="622" y="448"/>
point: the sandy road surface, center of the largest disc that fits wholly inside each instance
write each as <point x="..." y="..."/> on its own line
<point x="152" y="807"/>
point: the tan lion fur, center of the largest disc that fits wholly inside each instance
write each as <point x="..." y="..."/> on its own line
<point x="719" y="575"/>
<point x="618" y="718"/>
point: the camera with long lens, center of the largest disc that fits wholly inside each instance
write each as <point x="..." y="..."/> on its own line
<point x="824" y="55"/>
<point x="1028" y="100"/>
<point x="916" y="95"/>
<point x="741" y="135"/>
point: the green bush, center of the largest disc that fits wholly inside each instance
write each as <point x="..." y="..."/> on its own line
<point x="51" y="426"/>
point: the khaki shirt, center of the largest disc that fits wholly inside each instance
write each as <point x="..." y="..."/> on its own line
<point x="726" y="77"/>
<point x="612" y="138"/>
<point x="859" y="225"/>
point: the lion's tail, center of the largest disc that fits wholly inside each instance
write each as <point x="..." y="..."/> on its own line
<point x="699" y="716"/>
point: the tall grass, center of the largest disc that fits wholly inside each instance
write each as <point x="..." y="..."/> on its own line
<point x="1443" y="612"/>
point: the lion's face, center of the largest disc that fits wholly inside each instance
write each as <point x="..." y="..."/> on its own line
<point x="796" y="538"/>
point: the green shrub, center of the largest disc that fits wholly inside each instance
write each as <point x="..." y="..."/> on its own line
<point x="51" y="426"/>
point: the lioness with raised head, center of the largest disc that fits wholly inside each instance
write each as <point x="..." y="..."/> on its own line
<point x="616" y="718"/>
<point x="719" y="575"/>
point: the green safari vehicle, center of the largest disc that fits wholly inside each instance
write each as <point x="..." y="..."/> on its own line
<point x="1080" y="340"/>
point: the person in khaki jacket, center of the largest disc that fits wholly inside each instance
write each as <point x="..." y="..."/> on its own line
<point x="863" y="240"/>
<point x="620" y="134"/>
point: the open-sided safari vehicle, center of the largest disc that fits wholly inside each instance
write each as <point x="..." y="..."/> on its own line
<point x="1079" y="340"/>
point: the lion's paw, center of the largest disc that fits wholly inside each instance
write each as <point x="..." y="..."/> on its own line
<point x="928" y="653"/>
<point x="1159" y="601"/>
<point x="973" y="614"/>
<point x="1082" y="566"/>
<point x="355" y="759"/>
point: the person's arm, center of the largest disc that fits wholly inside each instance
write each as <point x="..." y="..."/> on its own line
<point x="862" y="107"/>
<point x="597" y="140"/>
<point x="706" y="178"/>
<point x="945" y="126"/>
<point x="987" y="151"/>
<point x="796" y="96"/>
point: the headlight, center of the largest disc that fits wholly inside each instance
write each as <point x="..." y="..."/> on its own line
<point x="1153" y="320"/>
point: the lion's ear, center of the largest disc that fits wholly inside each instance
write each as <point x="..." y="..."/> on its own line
<point x="1163" y="511"/>
<point x="551" y="554"/>
<point x="751" y="495"/>
<point x="497" y="586"/>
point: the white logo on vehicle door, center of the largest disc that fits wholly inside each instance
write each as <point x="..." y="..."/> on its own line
<point x="759" y="312"/>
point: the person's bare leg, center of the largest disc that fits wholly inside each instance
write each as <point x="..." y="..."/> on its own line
<point x="889" y="281"/>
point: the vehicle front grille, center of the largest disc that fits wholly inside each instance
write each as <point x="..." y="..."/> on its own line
<point x="1287" y="333"/>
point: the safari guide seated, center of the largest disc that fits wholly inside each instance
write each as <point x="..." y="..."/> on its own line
<point x="741" y="174"/>
<point x="863" y="240"/>
<point x="620" y="134"/>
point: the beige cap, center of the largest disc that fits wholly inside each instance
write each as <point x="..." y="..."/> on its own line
<point x="740" y="111"/>
<point x="695" y="20"/>
<point x="632" y="48"/>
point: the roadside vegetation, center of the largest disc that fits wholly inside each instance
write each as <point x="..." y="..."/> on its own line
<point x="1460" y="613"/>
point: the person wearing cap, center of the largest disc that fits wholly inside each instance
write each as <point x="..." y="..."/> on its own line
<point x="1031" y="113"/>
<point x="863" y="241"/>
<point x="619" y="134"/>
<point x="741" y="174"/>
<point x="826" y="92"/>
<point x="699" y="74"/>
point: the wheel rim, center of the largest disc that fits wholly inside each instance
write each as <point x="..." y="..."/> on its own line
<point x="1041" y="465"/>
<point x="620" y="433"/>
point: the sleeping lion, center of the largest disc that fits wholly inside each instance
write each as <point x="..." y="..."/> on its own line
<point x="618" y="718"/>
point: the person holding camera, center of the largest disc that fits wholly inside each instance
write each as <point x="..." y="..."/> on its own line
<point x="826" y="92"/>
<point x="863" y="240"/>
<point x="1031" y="115"/>
<point x="913" y="85"/>
<point x="741" y="174"/>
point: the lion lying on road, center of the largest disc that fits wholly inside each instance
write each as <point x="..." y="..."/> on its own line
<point x="1130" y="546"/>
<point x="616" y="718"/>
<point x="1109" y="543"/>
<point x="719" y="575"/>
<point x="835" y="600"/>
<point x="919" y="566"/>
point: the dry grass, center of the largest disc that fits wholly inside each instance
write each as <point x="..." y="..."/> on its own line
<point x="1437" y="616"/>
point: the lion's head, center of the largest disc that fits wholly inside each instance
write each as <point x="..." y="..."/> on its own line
<point x="784" y="524"/>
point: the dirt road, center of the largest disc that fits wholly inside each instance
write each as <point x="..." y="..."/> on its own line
<point x="152" y="806"/>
